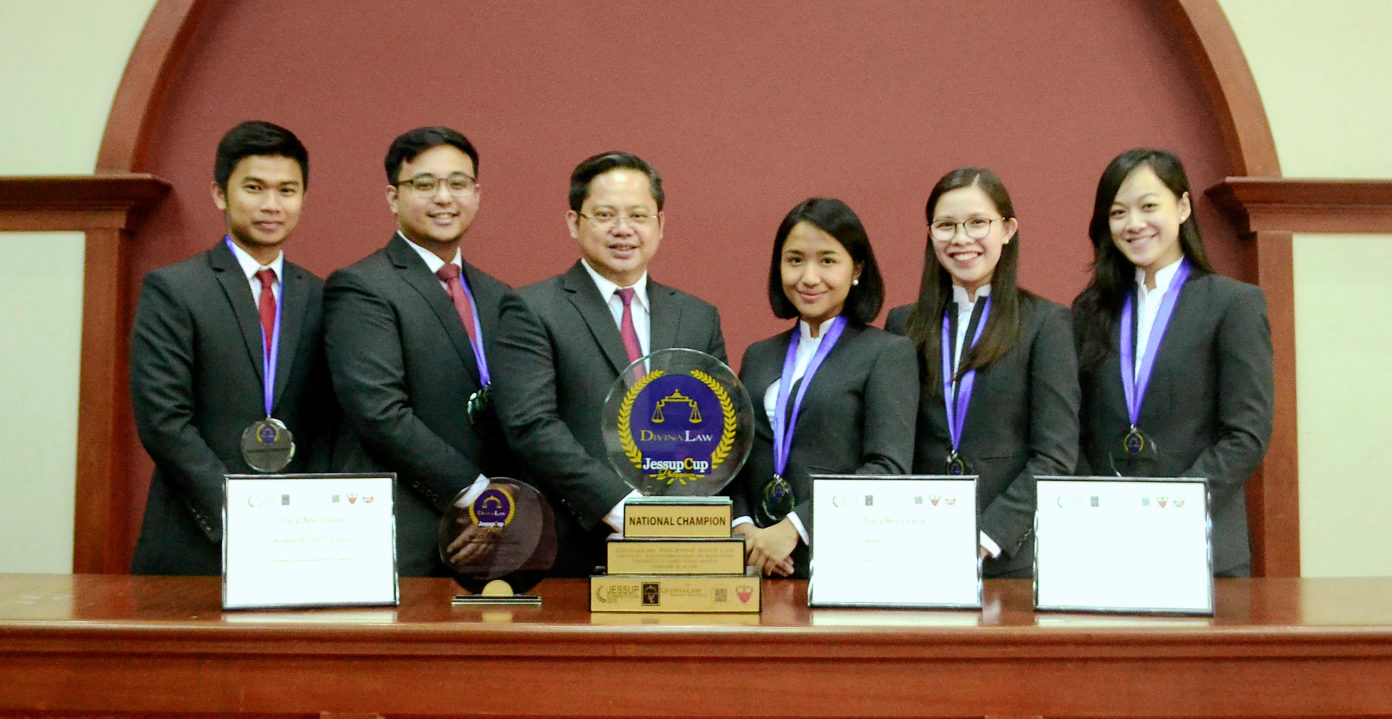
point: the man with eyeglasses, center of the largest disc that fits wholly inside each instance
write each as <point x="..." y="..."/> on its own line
<point x="565" y="340"/>
<point x="409" y="333"/>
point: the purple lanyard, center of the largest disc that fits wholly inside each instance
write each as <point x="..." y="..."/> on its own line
<point x="783" y="423"/>
<point x="957" y="406"/>
<point x="270" y="353"/>
<point x="476" y="342"/>
<point x="1134" y="382"/>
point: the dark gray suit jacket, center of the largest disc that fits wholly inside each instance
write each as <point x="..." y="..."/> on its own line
<point x="403" y="371"/>
<point x="196" y="384"/>
<point x="856" y="418"/>
<point x="560" y="353"/>
<point x="1208" y="408"/>
<point x="1022" y="423"/>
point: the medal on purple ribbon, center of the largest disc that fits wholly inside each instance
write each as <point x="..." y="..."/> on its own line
<point x="1135" y="378"/>
<point x="956" y="403"/>
<point x="267" y="445"/>
<point x="778" y="497"/>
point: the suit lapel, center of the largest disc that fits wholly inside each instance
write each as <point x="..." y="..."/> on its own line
<point x="584" y="296"/>
<point x="664" y="316"/>
<point x="418" y="276"/>
<point x="237" y="290"/>
<point x="830" y="367"/>
<point x="294" y="298"/>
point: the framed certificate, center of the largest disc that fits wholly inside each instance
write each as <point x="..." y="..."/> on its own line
<point x="305" y="540"/>
<point x="1127" y="545"/>
<point x="894" y="541"/>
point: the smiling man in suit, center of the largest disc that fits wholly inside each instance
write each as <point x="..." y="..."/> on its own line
<point x="566" y="339"/>
<point x="206" y="332"/>
<point x="409" y="332"/>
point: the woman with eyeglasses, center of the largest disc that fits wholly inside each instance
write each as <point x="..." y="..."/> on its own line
<point x="1175" y="361"/>
<point x="1000" y="384"/>
<point x="838" y="397"/>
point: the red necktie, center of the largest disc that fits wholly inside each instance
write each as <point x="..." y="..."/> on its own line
<point x="267" y="304"/>
<point x="630" y="335"/>
<point x="449" y="274"/>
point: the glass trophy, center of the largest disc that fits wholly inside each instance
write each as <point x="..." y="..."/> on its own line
<point x="498" y="538"/>
<point x="678" y="423"/>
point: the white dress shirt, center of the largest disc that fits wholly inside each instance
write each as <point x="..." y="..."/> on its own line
<point x="434" y="263"/>
<point x="639" y="306"/>
<point x="1148" y="306"/>
<point x="965" y="307"/>
<point x="250" y="267"/>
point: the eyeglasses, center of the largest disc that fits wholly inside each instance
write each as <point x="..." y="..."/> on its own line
<point x="608" y="218"/>
<point x="427" y="185"/>
<point x="976" y="228"/>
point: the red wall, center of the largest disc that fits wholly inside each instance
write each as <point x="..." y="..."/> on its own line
<point x="745" y="107"/>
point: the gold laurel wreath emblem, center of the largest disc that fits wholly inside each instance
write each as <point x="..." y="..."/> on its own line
<point x="727" y="410"/>
<point x="626" y="442"/>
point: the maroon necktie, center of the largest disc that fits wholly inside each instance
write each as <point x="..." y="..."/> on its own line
<point x="267" y="304"/>
<point x="449" y="274"/>
<point x="630" y="335"/>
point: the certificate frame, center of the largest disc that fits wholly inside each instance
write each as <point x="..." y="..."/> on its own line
<point x="1136" y="505"/>
<point x="926" y="497"/>
<point x="296" y="541"/>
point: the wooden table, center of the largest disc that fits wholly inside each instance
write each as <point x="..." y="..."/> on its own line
<point x="92" y="644"/>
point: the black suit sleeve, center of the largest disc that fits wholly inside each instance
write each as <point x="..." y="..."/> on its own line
<point x="898" y="320"/>
<point x="890" y="417"/>
<point x="742" y="485"/>
<point x="162" y="397"/>
<point x="715" y="345"/>
<point x="1082" y="467"/>
<point x="365" y="355"/>
<point x="528" y="408"/>
<point x="1246" y="394"/>
<point x="891" y="411"/>
<point x="1054" y="399"/>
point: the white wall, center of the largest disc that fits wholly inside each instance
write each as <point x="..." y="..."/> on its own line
<point x="63" y="61"/>
<point x="1321" y="69"/>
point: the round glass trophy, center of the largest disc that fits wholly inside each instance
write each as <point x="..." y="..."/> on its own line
<point x="498" y="529"/>
<point x="678" y="423"/>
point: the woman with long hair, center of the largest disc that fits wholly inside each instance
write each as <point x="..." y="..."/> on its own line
<point x="999" y="376"/>
<point x="1175" y="360"/>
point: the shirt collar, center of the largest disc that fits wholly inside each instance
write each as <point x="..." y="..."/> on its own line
<point x="608" y="288"/>
<point x="250" y="266"/>
<point x="432" y="260"/>
<point x="1163" y="277"/>
<point x="959" y="294"/>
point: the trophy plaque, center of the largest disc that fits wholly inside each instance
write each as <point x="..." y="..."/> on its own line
<point x="497" y="538"/>
<point x="678" y="425"/>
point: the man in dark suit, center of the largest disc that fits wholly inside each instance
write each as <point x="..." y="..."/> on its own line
<point x="409" y="332"/>
<point x="565" y="340"/>
<point x="203" y="337"/>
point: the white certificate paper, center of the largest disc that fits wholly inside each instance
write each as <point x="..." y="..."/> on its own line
<point x="1129" y="545"/>
<point x="308" y="541"/>
<point x="894" y="541"/>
